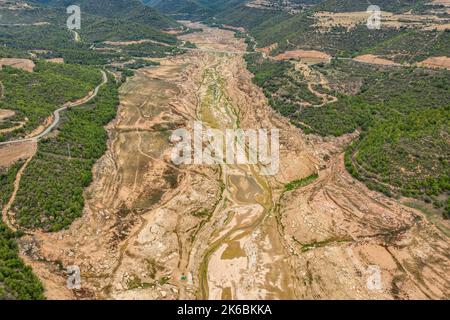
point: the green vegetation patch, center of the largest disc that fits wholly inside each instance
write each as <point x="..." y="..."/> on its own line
<point x="405" y="155"/>
<point x="301" y="183"/>
<point x="320" y="244"/>
<point x="35" y="95"/>
<point x="17" y="281"/>
<point x="51" y="193"/>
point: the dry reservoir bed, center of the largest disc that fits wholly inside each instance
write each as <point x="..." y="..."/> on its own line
<point x="152" y="230"/>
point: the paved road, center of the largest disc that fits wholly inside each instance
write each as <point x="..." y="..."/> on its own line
<point x="56" y="115"/>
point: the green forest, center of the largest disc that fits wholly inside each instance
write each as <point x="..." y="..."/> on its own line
<point x="35" y="95"/>
<point x="282" y="85"/>
<point x="17" y="281"/>
<point x="403" y="115"/>
<point x="41" y="30"/>
<point x="51" y="193"/>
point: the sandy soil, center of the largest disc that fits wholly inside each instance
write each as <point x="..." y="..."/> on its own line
<point x="55" y="60"/>
<point x="373" y="59"/>
<point x="309" y="56"/>
<point x="17" y="125"/>
<point x="152" y="230"/>
<point x="24" y="64"/>
<point x="5" y="114"/>
<point x="440" y="27"/>
<point x="436" y="62"/>
<point x="11" y="153"/>
<point x="327" y="20"/>
<point x="266" y="50"/>
<point x="149" y="241"/>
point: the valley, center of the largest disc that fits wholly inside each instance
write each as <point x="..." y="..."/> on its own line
<point x="152" y="230"/>
<point x="348" y="200"/>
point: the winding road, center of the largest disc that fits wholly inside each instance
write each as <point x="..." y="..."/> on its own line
<point x="56" y="114"/>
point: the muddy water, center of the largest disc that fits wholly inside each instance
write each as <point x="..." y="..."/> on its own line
<point x="245" y="257"/>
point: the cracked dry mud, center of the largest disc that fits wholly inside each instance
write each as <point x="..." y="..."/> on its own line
<point x="152" y="230"/>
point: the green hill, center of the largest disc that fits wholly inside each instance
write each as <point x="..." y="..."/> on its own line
<point x="43" y="27"/>
<point x="362" y="5"/>
<point x="128" y="10"/>
<point x="193" y="9"/>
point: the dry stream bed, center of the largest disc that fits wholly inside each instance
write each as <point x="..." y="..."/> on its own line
<point x="153" y="230"/>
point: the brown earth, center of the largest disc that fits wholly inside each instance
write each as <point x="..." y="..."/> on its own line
<point x="337" y="229"/>
<point x="441" y="2"/>
<point x="309" y="56"/>
<point x="436" y="62"/>
<point x="439" y="27"/>
<point x="17" y="125"/>
<point x="14" y="152"/>
<point x="173" y="31"/>
<point x="153" y="230"/>
<point x="41" y="128"/>
<point x="267" y="50"/>
<point x="24" y="64"/>
<point x="373" y="59"/>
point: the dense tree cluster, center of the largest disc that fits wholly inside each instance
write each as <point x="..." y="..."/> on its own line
<point x="17" y="281"/>
<point x="35" y="95"/>
<point x="286" y="89"/>
<point x="402" y="113"/>
<point x="23" y="31"/>
<point x="51" y="193"/>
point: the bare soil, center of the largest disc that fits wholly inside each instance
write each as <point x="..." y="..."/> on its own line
<point x="373" y="59"/>
<point x="5" y="114"/>
<point x="56" y="60"/>
<point x="152" y="230"/>
<point x="436" y="62"/>
<point x="267" y="50"/>
<point x="337" y="229"/>
<point x="441" y="2"/>
<point x="24" y="64"/>
<point x="14" y="152"/>
<point x="309" y="56"/>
